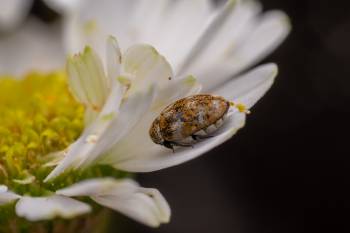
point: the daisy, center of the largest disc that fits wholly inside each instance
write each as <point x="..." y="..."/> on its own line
<point x="119" y="102"/>
<point x="91" y="144"/>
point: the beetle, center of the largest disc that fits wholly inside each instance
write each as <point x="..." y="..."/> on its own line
<point x="187" y="120"/>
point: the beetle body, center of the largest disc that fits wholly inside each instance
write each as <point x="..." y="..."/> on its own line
<point x="189" y="119"/>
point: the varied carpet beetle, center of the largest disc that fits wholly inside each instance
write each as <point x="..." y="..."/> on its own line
<point x="185" y="121"/>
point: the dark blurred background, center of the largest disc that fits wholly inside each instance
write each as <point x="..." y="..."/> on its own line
<point x="285" y="172"/>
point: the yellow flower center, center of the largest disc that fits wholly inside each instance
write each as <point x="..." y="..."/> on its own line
<point x="37" y="116"/>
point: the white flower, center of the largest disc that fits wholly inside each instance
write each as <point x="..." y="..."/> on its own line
<point x="176" y="28"/>
<point x="13" y="12"/>
<point x="120" y="105"/>
<point x="122" y="102"/>
<point x="123" y="97"/>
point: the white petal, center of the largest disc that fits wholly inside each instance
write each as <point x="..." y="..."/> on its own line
<point x="155" y="11"/>
<point x="265" y="36"/>
<point x="151" y="157"/>
<point x="174" y="26"/>
<point x="144" y="205"/>
<point x="94" y="21"/>
<point x="76" y="35"/>
<point x="250" y="87"/>
<point x="207" y="35"/>
<point x="233" y="31"/>
<point x="7" y="196"/>
<point x="100" y="187"/>
<point x="35" y="46"/>
<point x="114" y="58"/>
<point x="269" y="32"/>
<point x="140" y="206"/>
<point x="13" y="12"/>
<point x="146" y="65"/>
<point x="47" y="208"/>
<point x="87" y="80"/>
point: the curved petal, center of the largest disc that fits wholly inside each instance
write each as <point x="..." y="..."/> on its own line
<point x="250" y="87"/>
<point x="7" y="196"/>
<point x="147" y="157"/>
<point x="268" y="32"/>
<point x="92" y="21"/>
<point x="145" y="65"/>
<point x="146" y="19"/>
<point x="99" y="186"/>
<point x="173" y="29"/>
<point x="34" y="47"/>
<point x="207" y="35"/>
<point x="232" y="32"/>
<point x="13" y="12"/>
<point x="76" y="78"/>
<point x="144" y="205"/>
<point x="114" y="58"/>
<point x="87" y="80"/>
<point x="47" y="208"/>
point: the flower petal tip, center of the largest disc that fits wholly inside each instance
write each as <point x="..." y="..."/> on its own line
<point x="51" y="207"/>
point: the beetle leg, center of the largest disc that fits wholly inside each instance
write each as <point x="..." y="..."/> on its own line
<point x="195" y="137"/>
<point x="169" y="145"/>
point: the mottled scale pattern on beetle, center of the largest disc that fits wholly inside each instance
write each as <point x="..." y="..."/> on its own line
<point x="189" y="118"/>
